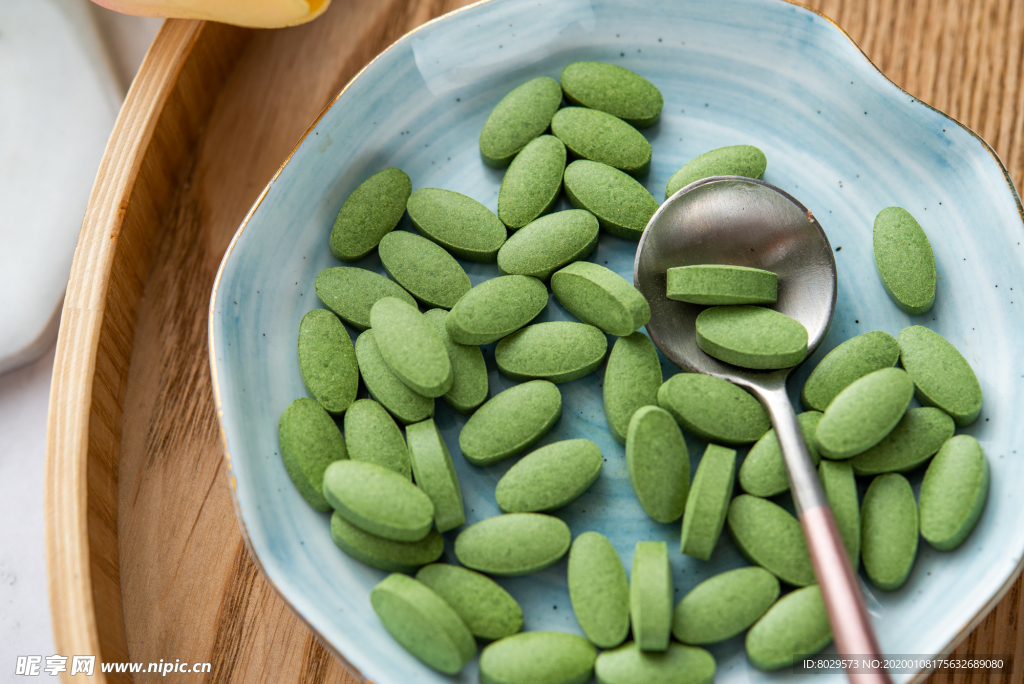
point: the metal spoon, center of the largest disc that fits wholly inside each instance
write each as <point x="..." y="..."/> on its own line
<point x="745" y="222"/>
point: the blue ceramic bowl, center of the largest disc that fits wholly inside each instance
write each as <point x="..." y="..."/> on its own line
<point x="838" y="136"/>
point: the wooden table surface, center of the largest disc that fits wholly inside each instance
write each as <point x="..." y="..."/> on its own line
<point x="188" y="587"/>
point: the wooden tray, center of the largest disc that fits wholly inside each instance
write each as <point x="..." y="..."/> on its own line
<point x="146" y="560"/>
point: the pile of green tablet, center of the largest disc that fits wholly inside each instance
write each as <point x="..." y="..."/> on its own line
<point x="392" y="496"/>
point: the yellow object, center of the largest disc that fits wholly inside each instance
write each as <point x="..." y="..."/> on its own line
<point x="250" y="13"/>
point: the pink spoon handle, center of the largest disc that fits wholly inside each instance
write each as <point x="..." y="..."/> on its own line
<point x="847" y="613"/>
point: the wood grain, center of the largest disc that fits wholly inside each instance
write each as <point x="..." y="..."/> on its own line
<point x="154" y="132"/>
<point x="141" y="529"/>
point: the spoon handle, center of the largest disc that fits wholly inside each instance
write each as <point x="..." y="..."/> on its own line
<point x="847" y="612"/>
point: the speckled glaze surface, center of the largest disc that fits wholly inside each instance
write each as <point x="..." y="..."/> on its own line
<point x="838" y="136"/>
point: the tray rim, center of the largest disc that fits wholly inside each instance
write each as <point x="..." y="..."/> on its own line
<point x="921" y="676"/>
<point x="122" y="198"/>
<point x="72" y="606"/>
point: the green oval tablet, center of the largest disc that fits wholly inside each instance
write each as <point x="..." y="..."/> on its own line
<point x="557" y="351"/>
<point x="767" y="535"/>
<point x="918" y="435"/>
<point x="713" y="409"/>
<point x="351" y="292"/>
<point x="521" y="116"/>
<point x="737" y="160"/>
<point x="310" y="441"/>
<point x="850" y="361"/>
<point x="904" y="260"/>
<point x="601" y="137"/>
<point x="469" y="372"/>
<point x="600" y="297"/>
<point x="513" y="544"/>
<point x="384" y="386"/>
<point x="650" y="596"/>
<point x="622" y="206"/>
<point x="864" y="413"/>
<point x="678" y="665"/>
<point x="370" y="212"/>
<point x="708" y="501"/>
<point x="841" y="491"/>
<point x="460" y="224"/>
<point x="533" y="182"/>
<point x="797" y="625"/>
<point x="550" y="477"/>
<point x="425" y="269"/>
<point x="632" y="377"/>
<point x="942" y="377"/>
<point x="423" y="623"/>
<point x="751" y="337"/>
<point x="411" y="347"/>
<point x="713" y="284"/>
<point x="488" y="610"/>
<point x="549" y="243"/>
<point x="538" y="658"/>
<point x="889" y="530"/>
<point x="327" y="360"/>
<point x="378" y="500"/>
<point x="724" y="605"/>
<point x="763" y="472"/>
<point x="613" y="89"/>
<point x="385" y="554"/>
<point x="599" y="590"/>
<point x="435" y="474"/>
<point x="953" y="492"/>
<point x="372" y="436"/>
<point x="658" y="463"/>
<point x="510" y="422"/>
<point x="495" y="308"/>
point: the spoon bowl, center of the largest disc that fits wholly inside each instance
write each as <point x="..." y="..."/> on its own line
<point x="741" y="222"/>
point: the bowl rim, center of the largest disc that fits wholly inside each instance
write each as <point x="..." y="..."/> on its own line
<point x="960" y="635"/>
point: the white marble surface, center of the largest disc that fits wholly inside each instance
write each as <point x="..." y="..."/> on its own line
<point x="24" y="600"/>
<point x="25" y="622"/>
